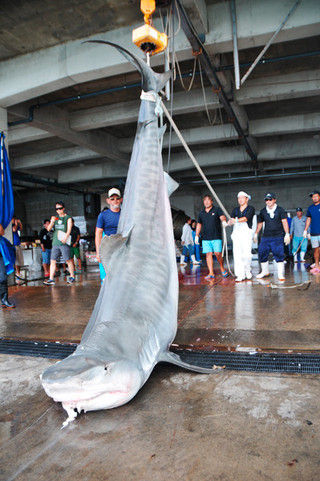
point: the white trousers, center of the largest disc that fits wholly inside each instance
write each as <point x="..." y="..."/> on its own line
<point x="242" y="243"/>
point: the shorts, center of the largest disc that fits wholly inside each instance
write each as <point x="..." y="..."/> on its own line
<point x="103" y="274"/>
<point x="63" y="251"/>
<point x="315" y="241"/>
<point x="74" y="252"/>
<point x="211" y="246"/>
<point x="46" y="256"/>
<point x="19" y="256"/>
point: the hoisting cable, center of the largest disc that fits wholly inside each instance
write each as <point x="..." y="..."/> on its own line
<point x="171" y="87"/>
<point x="197" y="166"/>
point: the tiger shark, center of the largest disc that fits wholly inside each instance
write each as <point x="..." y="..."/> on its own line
<point x="134" y="320"/>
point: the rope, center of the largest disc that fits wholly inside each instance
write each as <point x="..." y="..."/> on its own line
<point x="192" y="157"/>
<point x="187" y="89"/>
<point x="197" y="166"/>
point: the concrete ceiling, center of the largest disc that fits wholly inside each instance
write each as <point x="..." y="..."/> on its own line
<point x="87" y="140"/>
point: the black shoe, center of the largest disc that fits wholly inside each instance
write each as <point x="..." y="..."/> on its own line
<point x="6" y="303"/>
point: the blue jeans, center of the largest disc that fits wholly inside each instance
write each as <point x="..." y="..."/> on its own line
<point x="271" y="244"/>
<point x="188" y="250"/>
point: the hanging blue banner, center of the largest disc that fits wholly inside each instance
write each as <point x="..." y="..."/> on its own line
<point x="6" y="191"/>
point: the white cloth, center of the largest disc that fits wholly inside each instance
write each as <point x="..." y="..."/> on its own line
<point x="242" y="243"/>
<point x="271" y="210"/>
<point x="187" y="237"/>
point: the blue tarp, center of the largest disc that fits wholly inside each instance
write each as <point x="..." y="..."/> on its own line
<point x="6" y="206"/>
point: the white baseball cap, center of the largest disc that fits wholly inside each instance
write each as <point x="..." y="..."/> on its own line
<point x="114" y="191"/>
<point x="242" y="193"/>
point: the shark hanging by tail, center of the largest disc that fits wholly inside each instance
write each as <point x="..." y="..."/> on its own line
<point x="134" y="320"/>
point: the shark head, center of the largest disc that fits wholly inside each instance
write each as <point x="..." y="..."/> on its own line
<point x="84" y="383"/>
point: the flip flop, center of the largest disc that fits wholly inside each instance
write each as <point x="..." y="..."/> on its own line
<point x="224" y="274"/>
<point x="209" y="277"/>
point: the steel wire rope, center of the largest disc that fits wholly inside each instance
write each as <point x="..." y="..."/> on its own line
<point x="171" y="26"/>
<point x="196" y="164"/>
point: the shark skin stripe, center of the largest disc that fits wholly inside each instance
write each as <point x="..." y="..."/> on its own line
<point x="134" y="319"/>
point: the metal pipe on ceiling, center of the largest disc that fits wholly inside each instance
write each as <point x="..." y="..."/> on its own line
<point x="263" y="51"/>
<point x="235" y="44"/>
<point x="251" y="177"/>
<point x="96" y="93"/>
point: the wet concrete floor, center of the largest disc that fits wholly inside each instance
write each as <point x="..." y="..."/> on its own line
<point x="181" y="426"/>
<point x="219" y="314"/>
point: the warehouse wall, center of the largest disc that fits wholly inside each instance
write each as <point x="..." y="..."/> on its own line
<point x="34" y="207"/>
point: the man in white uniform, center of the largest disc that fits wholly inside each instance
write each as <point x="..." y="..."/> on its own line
<point x="241" y="219"/>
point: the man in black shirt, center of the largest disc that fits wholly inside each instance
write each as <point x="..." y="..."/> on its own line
<point x="74" y="249"/>
<point x="209" y="224"/>
<point x="276" y="225"/>
<point x="46" y="246"/>
<point x="241" y="219"/>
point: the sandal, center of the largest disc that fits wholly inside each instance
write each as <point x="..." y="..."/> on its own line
<point x="224" y="274"/>
<point x="209" y="277"/>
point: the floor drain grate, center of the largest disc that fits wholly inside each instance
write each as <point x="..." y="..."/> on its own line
<point x="264" y="362"/>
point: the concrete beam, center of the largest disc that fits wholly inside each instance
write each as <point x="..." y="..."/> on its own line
<point x="291" y="124"/>
<point x="198" y="14"/>
<point x="280" y="87"/>
<point x="206" y="158"/>
<point x="72" y="62"/>
<point x="56" y="121"/>
<point x="53" y="158"/>
<point x="25" y="133"/>
<point x="200" y="135"/>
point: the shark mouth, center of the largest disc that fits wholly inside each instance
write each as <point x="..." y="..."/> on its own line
<point x="109" y="399"/>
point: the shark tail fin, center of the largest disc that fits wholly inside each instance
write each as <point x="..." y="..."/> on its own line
<point x="151" y="81"/>
<point x="172" y="185"/>
<point x="110" y="244"/>
<point x="173" y="358"/>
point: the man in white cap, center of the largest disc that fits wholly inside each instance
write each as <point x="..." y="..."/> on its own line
<point x="241" y="219"/>
<point x="107" y="223"/>
<point x="275" y="235"/>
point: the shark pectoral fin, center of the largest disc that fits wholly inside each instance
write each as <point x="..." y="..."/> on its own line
<point x="110" y="244"/>
<point x="175" y="359"/>
<point x="172" y="185"/>
<point x="161" y="131"/>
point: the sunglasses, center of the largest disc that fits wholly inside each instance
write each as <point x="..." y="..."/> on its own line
<point x="59" y="208"/>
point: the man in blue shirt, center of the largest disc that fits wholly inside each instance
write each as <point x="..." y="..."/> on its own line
<point x="313" y="221"/>
<point x="107" y="223"/>
<point x="297" y="228"/>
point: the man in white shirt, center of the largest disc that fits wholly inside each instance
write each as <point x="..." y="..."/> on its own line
<point x="188" y="244"/>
